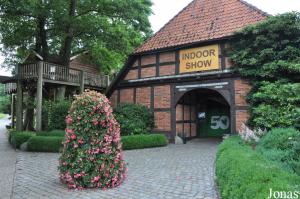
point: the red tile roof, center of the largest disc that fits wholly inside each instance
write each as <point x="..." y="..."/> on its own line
<point x="204" y="20"/>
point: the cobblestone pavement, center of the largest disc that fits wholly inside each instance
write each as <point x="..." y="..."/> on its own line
<point x="172" y="172"/>
<point x="7" y="162"/>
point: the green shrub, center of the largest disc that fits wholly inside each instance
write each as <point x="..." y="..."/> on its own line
<point x="16" y="138"/>
<point x="282" y="145"/>
<point x="244" y="173"/>
<point x="143" y="141"/>
<point x="45" y="144"/>
<point x="53" y="133"/>
<point x="57" y="112"/>
<point x="267" y="54"/>
<point x="276" y="105"/>
<point x="5" y="101"/>
<point x="129" y="142"/>
<point x="134" y="119"/>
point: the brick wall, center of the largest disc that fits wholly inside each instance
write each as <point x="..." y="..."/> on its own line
<point x="167" y="57"/>
<point x="179" y="129"/>
<point x="187" y="110"/>
<point x="167" y="70"/>
<point x="166" y="64"/>
<point x="126" y="95"/>
<point x="162" y="121"/>
<point x="242" y="116"/>
<point x="132" y="74"/>
<point x="143" y="96"/>
<point x="162" y="96"/>
<point x="189" y="120"/>
<point x="148" y="72"/>
<point x="148" y="59"/>
<point x="179" y="115"/>
<point x="242" y="87"/>
<point x="194" y="129"/>
<point x="114" y="98"/>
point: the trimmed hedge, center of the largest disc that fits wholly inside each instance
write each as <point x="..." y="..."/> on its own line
<point x="16" y="139"/>
<point x="57" y="112"/>
<point x="244" y="173"/>
<point x="144" y="141"/>
<point x="54" y="144"/>
<point x="45" y="144"/>
<point x="54" y="133"/>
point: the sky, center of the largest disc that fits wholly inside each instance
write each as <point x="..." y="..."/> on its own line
<point x="164" y="10"/>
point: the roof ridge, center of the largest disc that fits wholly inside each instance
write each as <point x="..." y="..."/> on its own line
<point x="255" y="8"/>
<point x="165" y="25"/>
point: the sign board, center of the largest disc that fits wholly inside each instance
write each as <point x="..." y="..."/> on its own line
<point x="199" y="59"/>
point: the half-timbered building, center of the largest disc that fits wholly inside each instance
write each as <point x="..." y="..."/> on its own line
<point x="184" y="75"/>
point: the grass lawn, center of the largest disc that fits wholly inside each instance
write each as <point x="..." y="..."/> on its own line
<point x="2" y="115"/>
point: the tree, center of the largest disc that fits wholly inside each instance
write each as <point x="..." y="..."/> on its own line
<point x="4" y="101"/>
<point x="269" y="55"/>
<point x="109" y="29"/>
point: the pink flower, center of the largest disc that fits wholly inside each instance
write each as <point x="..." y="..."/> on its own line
<point x="95" y="179"/>
<point x="68" y="120"/>
<point x="107" y="138"/>
<point x="80" y="141"/>
<point x="69" y="130"/>
<point x="73" y="136"/>
<point x="95" y="122"/>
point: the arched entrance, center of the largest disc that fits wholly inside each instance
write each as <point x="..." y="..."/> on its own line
<point x="202" y="113"/>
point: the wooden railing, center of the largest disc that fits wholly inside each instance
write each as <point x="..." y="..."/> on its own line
<point x="27" y="71"/>
<point x="61" y="73"/>
<point x="96" y="80"/>
<point x="10" y="88"/>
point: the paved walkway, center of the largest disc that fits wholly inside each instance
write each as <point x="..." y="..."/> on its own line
<point x="7" y="162"/>
<point x="175" y="171"/>
<point x="185" y="171"/>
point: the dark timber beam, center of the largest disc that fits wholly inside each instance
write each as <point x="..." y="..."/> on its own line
<point x="19" y="111"/>
<point x="12" y="111"/>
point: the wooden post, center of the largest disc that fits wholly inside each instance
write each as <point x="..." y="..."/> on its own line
<point x="39" y="97"/>
<point x="81" y="89"/>
<point x="19" y="111"/>
<point x="12" y="110"/>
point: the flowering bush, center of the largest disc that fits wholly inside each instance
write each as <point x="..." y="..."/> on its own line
<point x="92" y="155"/>
<point x="249" y="135"/>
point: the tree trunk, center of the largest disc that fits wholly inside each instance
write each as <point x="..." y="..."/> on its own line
<point x="43" y="36"/>
<point x="65" y="52"/>
<point x="29" y="113"/>
<point x="41" y="45"/>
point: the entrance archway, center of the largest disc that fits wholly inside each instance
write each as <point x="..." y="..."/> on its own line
<point x="202" y="113"/>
